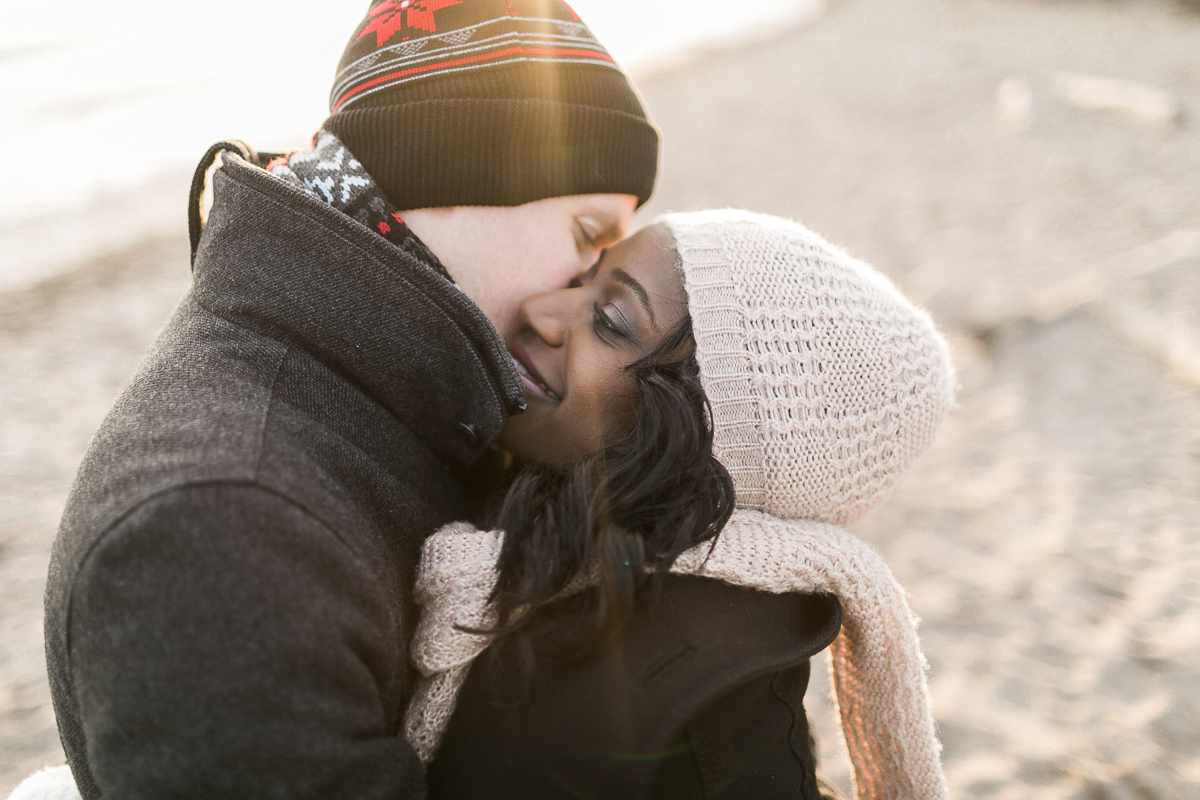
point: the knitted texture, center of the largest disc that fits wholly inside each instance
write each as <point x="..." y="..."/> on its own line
<point x="825" y="382"/>
<point x="489" y="103"/>
<point x="877" y="665"/>
<point x="51" y="783"/>
<point x="331" y="172"/>
<point x="454" y="580"/>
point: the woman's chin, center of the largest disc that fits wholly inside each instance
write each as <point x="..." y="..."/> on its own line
<point x="534" y="442"/>
<point x="519" y="440"/>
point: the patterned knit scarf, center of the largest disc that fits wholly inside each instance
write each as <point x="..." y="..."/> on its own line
<point x="329" y="171"/>
<point x="876" y="661"/>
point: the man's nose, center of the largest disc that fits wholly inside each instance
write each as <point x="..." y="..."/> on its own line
<point x="588" y="256"/>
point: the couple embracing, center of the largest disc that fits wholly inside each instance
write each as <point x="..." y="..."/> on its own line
<point x="437" y="485"/>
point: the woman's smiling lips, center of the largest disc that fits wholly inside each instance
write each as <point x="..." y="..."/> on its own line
<point x="532" y="379"/>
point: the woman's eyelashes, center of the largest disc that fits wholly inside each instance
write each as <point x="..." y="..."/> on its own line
<point x="608" y="320"/>
<point x="610" y="327"/>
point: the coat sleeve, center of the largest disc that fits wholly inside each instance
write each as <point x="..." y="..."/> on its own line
<point x="225" y="643"/>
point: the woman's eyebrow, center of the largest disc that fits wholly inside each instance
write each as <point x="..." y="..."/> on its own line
<point x="642" y="295"/>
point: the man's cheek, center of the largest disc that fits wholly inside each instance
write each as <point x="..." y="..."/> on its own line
<point x="547" y="276"/>
<point x="507" y="320"/>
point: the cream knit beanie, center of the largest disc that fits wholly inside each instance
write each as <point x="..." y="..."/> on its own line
<point x="825" y="382"/>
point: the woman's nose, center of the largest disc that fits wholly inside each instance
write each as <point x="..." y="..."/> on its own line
<point x="551" y="314"/>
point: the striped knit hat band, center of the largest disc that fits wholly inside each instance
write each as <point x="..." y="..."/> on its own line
<point x="403" y="41"/>
<point x="489" y="102"/>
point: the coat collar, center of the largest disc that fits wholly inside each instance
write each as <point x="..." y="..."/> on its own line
<point x="276" y="259"/>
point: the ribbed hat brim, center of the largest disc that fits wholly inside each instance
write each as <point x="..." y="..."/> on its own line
<point x="463" y="152"/>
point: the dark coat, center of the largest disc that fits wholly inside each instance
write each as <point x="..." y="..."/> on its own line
<point x="701" y="696"/>
<point x="229" y="598"/>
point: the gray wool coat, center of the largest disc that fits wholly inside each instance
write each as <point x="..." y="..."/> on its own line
<point x="229" y="597"/>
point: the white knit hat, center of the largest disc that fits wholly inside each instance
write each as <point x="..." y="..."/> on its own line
<point x="825" y="382"/>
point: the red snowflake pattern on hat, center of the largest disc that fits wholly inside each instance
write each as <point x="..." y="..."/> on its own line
<point x="393" y="16"/>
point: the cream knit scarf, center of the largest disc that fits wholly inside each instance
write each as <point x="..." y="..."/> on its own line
<point x="877" y="665"/>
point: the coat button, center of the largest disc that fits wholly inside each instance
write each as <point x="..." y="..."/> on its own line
<point x="466" y="434"/>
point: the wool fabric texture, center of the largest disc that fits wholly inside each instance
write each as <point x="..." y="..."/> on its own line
<point x="825" y="383"/>
<point x="51" y="783"/>
<point x="227" y="603"/>
<point x="489" y="103"/>
<point x="331" y="172"/>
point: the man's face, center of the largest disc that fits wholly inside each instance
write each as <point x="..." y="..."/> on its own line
<point x="500" y="255"/>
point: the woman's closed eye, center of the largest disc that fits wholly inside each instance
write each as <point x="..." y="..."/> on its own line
<point x="610" y="327"/>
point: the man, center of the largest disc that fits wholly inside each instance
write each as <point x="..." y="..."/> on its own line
<point x="229" y="601"/>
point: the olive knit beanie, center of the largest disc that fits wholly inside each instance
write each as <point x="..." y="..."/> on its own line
<point x="489" y="102"/>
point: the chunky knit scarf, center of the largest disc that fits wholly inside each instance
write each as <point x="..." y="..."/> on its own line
<point x="329" y="171"/>
<point x="877" y="665"/>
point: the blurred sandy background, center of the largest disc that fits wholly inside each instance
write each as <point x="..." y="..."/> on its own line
<point x="1049" y="221"/>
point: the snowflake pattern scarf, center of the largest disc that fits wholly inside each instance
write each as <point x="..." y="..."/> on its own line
<point x="331" y="172"/>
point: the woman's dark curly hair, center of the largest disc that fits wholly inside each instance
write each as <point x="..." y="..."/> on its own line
<point x="622" y="515"/>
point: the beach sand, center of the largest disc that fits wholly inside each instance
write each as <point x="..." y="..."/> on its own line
<point x="1050" y="541"/>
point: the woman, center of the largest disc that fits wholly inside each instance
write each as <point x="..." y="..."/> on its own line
<point x="643" y="637"/>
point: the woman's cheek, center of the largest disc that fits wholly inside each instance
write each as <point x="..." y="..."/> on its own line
<point x="613" y="406"/>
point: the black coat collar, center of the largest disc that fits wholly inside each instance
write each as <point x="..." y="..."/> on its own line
<point x="276" y="259"/>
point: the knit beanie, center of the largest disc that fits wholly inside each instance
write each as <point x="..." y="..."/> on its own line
<point x="825" y="382"/>
<point x="489" y="102"/>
